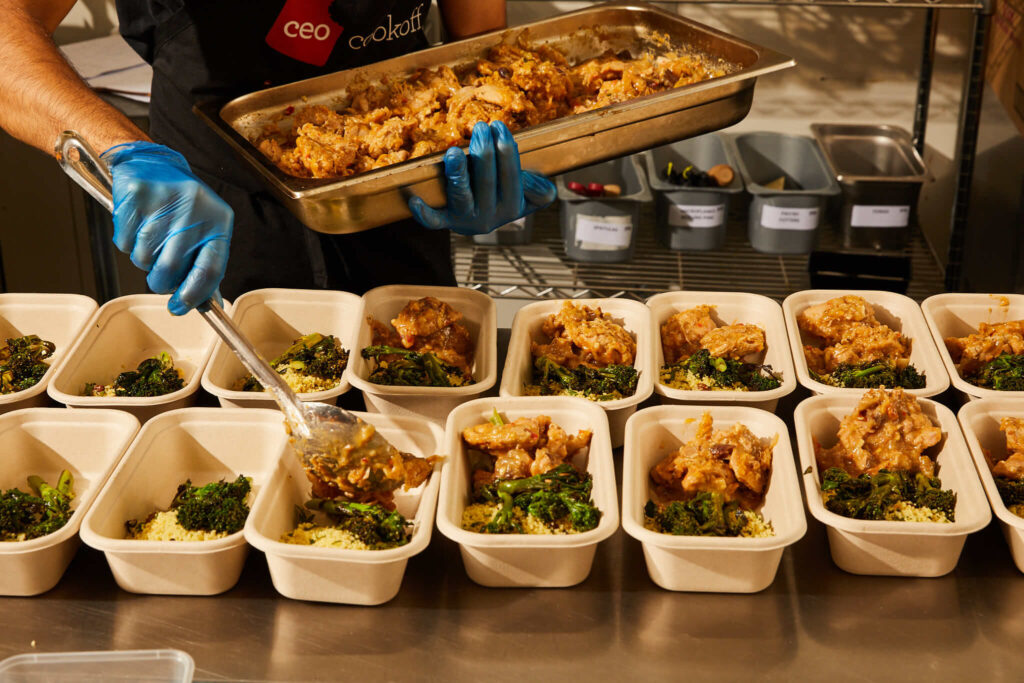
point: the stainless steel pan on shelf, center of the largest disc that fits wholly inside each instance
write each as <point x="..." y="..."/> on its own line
<point x="378" y="197"/>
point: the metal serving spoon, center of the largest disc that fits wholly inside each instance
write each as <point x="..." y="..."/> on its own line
<point x="333" y="444"/>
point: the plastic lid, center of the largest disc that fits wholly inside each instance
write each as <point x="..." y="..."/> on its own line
<point x="144" y="666"/>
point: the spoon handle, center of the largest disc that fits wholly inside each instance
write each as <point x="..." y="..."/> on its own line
<point x="84" y="166"/>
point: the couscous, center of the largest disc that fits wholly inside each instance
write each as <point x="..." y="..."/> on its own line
<point x="314" y="362"/>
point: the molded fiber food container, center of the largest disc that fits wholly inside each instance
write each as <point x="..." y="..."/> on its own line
<point x="730" y="307"/>
<point x="340" y="575"/>
<point x="634" y="316"/>
<point x="45" y="441"/>
<point x="899" y="312"/>
<point x="121" y="334"/>
<point x="691" y="218"/>
<point x="880" y="174"/>
<point x="958" y="315"/>
<point x="527" y="560"/>
<point x="58" y="318"/>
<point x="273" y="319"/>
<point x="783" y="221"/>
<point x="603" y="229"/>
<point x="519" y="231"/>
<point x="199" y="444"/>
<point x="150" y="666"/>
<point x="433" y="403"/>
<point x="892" y="548"/>
<point x="980" y="422"/>
<point x="699" y="563"/>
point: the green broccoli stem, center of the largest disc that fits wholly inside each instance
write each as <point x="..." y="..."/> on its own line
<point x="874" y="369"/>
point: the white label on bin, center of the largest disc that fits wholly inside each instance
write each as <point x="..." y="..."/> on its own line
<point x="871" y="216"/>
<point x="515" y="226"/>
<point x="696" y="216"/>
<point x="603" y="231"/>
<point x="785" y="218"/>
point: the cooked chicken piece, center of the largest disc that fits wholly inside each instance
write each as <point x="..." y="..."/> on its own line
<point x="526" y="447"/>
<point x="406" y="470"/>
<point x="1012" y="466"/>
<point x="1013" y="427"/>
<point x="429" y="110"/>
<point x="513" y="464"/>
<point x="422" y="318"/>
<point x="887" y="430"/>
<point x="682" y="333"/>
<point x="734" y="341"/>
<point x="525" y="433"/>
<point x="595" y="340"/>
<point x="452" y="345"/>
<point x="861" y="343"/>
<point x="815" y="359"/>
<point x="733" y="462"/>
<point x="989" y="342"/>
<point x="828" y="320"/>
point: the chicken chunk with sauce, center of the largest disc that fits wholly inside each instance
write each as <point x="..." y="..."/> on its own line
<point x="732" y="462"/>
<point x="581" y="335"/>
<point x="988" y="343"/>
<point x="830" y="319"/>
<point x="428" y="325"/>
<point x="887" y="430"/>
<point x="682" y="333"/>
<point x="1012" y="466"/>
<point x="525" y="447"/>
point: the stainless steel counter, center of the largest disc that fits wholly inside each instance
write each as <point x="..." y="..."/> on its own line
<point x="815" y="622"/>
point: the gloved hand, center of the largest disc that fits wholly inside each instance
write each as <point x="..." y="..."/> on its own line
<point x="490" y="190"/>
<point x="171" y="223"/>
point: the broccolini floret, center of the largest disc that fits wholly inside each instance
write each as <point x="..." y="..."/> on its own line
<point x="717" y="372"/>
<point x="24" y="516"/>
<point x="154" y="376"/>
<point x="1003" y="373"/>
<point x="872" y="497"/>
<point x="312" y="355"/>
<point x="559" y="494"/>
<point x="218" y="506"/>
<point x="22" y="362"/>
<point x="871" y="375"/>
<point x="412" y="368"/>
<point x="706" y="514"/>
<point x="371" y="523"/>
<point x="598" y="384"/>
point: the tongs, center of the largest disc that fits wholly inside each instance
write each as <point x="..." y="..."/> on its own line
<point x="332" y="444"/>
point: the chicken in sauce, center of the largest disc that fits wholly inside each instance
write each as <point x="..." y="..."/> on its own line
<point x="584" y="335"/>
<point x="887" y="430"/>
<point x="525" y="447"/>
<point x="733" y="462"/>
<point x="844" y="331"/>
<point x="689" y="331"/>
<point x="431" y="110"/>
<point x="989" y="342"/>
<point x="428" y="325"/>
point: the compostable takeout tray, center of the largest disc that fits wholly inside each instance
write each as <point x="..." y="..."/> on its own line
<point x="363" y="201"/>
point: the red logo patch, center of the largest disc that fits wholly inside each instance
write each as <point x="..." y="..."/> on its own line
<point x="305" y="31"/>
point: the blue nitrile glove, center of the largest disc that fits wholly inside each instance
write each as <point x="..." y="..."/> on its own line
<point x="488" y="192"/>
<point x="172" y="224"/>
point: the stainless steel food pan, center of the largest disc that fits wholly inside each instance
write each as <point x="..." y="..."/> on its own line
<point x="880" y="174"/>
<point x="370" y="199"/>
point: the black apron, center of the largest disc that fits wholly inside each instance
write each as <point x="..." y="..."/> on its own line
<point x="202" y="49"/>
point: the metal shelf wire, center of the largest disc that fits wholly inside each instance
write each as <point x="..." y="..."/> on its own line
<point x="540" y="270"/>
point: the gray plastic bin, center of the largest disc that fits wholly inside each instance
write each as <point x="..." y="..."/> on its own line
<point x="603" y="230"/>
<point x="691" y="218"/>
<point x="517" y="232"/>
<point x="783" y="221"/>
<point x="880" y="175"/>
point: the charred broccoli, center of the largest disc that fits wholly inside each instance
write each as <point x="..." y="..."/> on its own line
<point x="598" y="384"/>
<point x="559" y="494"/>
<point x="1003" y="373"/>
<point x="24" y="516"/>
<point x="371" y="523"/>
<point x="412" y="368"/>
<point x="872" y="496"/>
<point x="1010" y="490"/>
<point x="218" y="506"/>
<point x="872" y="374"/>
<point x="154" y="376"/>
<point x="21" y="362"/>
<point x="312" y="355"/>
<point x="722" y="373"/>
<point x="706" y="514"/>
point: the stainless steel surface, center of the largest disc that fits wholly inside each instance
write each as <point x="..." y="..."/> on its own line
<point x="815" y="622"/>
<point x="327" y="439"/>
<point x="862" y="153"/>
<point x="893" y="4"/>
<point x="378" y="197"/>
<point x="541" y="269"/>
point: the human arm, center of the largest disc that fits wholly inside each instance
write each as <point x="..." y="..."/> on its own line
<point x="464" y="18"/>
<point x="173" y="226"/>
